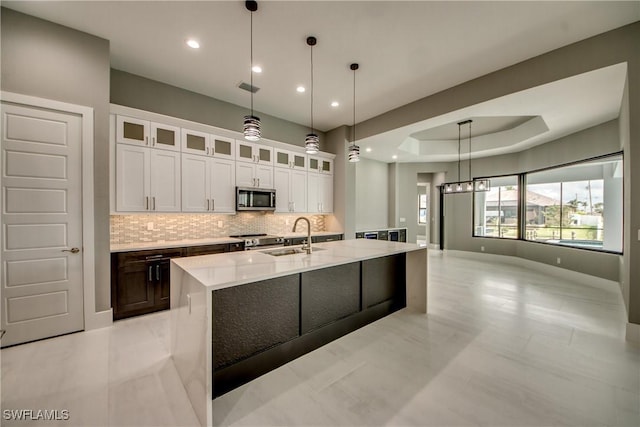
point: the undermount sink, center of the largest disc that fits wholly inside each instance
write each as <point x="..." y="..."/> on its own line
<point x="289" y="251"/>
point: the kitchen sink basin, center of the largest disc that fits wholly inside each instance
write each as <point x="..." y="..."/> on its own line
<point x="289" y="251"/>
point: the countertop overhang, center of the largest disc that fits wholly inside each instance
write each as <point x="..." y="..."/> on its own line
<point x="225" y="270"/>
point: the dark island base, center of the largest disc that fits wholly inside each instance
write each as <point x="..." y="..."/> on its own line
<point x="326" y="308"/>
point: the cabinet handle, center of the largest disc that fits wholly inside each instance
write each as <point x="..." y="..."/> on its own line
<point x="153" y="141"/>
<point x="146" y="140"/>
<point x="146" y="203"/>
<point x="158" y="272"/>
<point x="153" y="199"/>
<point x="213" y="204"/>
<point x="151" y="273"/>
<point x="208" y="201"/>
<point x="258" y="182"/>
<point x="206" y="150"/>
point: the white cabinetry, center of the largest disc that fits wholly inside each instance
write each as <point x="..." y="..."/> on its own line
<point x="291" y="190"/>
<point x="254" y="175"/>
<point x="130" y="130"/>
<point x="320" y="193"/>
<point x="320" y="165"/>
<point x="250" y="152"/>
<point x="147" y="179"/>
<point x="194" y="142"/>
<point x="208" y="184"/>
<point x="289" y="159"/>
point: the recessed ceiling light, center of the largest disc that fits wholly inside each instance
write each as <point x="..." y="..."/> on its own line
<point x="394" y="157"/>
<point x="335" y="104"/>
<point x="257" y="69"/>
<point x="368" y="149"/>
<point x="193" y="44"/>
<point x="300" y="89"/>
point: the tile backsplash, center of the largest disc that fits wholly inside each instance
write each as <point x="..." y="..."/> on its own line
<point x="166" y="227"/>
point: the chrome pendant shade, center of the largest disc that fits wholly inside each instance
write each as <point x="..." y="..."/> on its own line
<point x="471" y="185"/>
<point x="354" y="150"/>
<point x="311" y="142"/>
<point x="251" y="124"/>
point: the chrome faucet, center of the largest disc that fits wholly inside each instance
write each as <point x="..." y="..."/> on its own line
<point x="306" y="247"/>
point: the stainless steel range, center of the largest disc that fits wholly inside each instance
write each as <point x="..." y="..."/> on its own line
<point x="259" y="241"/>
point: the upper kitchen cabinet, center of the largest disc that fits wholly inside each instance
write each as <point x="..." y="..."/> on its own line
<point x="320" y="165"/>
<point x="147" y="180"/>
<point x="289" y="159"/>
<point x="208" y="184"/>
<point x="204" y="144"/>
<point x="291" y="190"/>
<point x="254" y="175"/>
<point x="130" y="130"/>
<point x="254" y="153"/>
<point x="319" y="193"/>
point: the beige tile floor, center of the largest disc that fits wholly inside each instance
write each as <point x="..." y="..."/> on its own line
<point x="501" y="346"/>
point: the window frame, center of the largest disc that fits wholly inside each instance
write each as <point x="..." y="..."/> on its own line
<point x="522" y="205"/>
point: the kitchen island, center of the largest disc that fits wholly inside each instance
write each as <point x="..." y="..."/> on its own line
<point x="236" y="316"/>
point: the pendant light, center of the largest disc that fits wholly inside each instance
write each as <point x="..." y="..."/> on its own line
<point x="354" y="150"/>
<point x="311" y="142"/>
<point x="471" y="185"/>
<point x="251" y="125"/>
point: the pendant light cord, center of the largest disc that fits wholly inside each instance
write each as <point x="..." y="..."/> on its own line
<point x="353" y="140"/>
<point x="312" y="89"/>
<point x="459" y="151"/>
<point x="469" y="150"/>
<point x="251" y="59"/>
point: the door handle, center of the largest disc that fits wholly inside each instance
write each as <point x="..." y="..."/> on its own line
<point x="72" y="250"/>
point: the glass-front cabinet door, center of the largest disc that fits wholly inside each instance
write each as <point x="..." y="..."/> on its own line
<point x="321" y="165"/>
<point x="254" y="153"/>
<point x="130" y="130"/>
<point x="222" y="147"/>
<point x="289" y="159"/>
<point x="165" y="137"/>
<point x="196" y="142"/>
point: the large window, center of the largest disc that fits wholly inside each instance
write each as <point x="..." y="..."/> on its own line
<point x="578" y="205"/>
<point x="496" y="211"/>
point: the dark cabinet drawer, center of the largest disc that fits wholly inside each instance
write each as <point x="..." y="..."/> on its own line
<point x="207" y="250"/>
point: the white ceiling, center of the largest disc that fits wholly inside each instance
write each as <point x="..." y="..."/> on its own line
<point x="406" y="50"/>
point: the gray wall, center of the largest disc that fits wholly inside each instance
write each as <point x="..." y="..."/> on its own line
<point x="613" y="47"/>
<point x="372" y="198"/>
<point x="344" y="184"/>
<point x="50" y="61"/>
<point x="592" y="142"/>
<point x="139" y="92"/>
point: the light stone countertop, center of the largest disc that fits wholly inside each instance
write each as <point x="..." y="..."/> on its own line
<point x="225" y="270"/>
<point x="140" y="246"/>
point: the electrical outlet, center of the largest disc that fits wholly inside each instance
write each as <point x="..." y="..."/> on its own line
<point x="150" y="226"/>
<point x="558" y="260"/>
<point x="220" y="224"/>
<point x="482" y="248"/>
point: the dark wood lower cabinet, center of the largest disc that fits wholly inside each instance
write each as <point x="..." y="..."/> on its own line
<point x="260" y="326"/>
<point x="140" y="280"/>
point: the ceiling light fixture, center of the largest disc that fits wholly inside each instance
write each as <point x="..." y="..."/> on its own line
<point x="300" y="89"/>
<point x="354" y="150"/>
<point x="311" y="141"/>
<point x="251" y="125"/>
<point x="335" y="104"/>
<point x="256" y="69"/>
<point x="470" y="185"/>
<point x="193" y="44"/>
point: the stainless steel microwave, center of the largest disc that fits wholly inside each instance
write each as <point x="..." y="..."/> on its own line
<point x="255" y="199"/>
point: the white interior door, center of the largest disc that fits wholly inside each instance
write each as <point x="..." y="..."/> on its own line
<point x="42" y="277"/>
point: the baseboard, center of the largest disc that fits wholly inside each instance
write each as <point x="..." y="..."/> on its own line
<point x="633" y="332"/>
<point x="97" y="320"/>
<point x="561" y="273"/>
